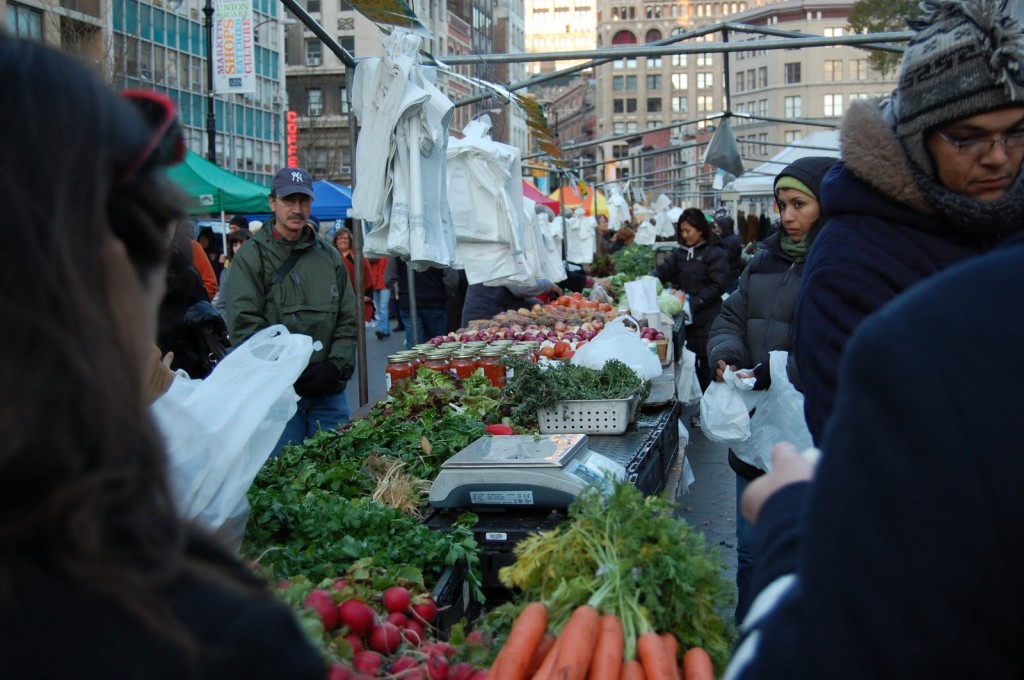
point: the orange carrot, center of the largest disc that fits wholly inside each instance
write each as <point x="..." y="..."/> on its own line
<point x="672" y="649"/>
<point x="514" y="658"/>
<point x="547" y="667"/>
<point x="607" y="661"/>
<point x="697" y="665"/>
<point x="658" y="665"/>
<point x="632" y="670"/>
<point x="576" y="644"/>
<point x="547" y="642"/>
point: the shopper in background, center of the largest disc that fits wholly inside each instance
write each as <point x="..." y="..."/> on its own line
<point x="758" y="318"/>
<point x="700" y="268"/>
<point x="433" y="288"/>
<point x="928" y="178"/>
<point x="88" y="529"/>
<point x="343" y="242"/>
<point x="724" y="228"/>
<point x="235" y="240"/>
<point x="901" y="559"/>
<point x="286" y="274"/>
<point x="381" y="296"/>
<point x="483" y="302"/>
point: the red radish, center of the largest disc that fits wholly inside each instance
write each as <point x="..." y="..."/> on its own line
<point x="480" y="675"/>
<point x="498" y="429"/>
<point x="284" y="584"/>
<point x="362" y="676"/>
<point x="442" y="648"/>
<point x="339" y="671"/>
<point x="437" y="667"/>
<point x="461" y="671"/>
<point x="413" y="633"/>
<point x="321" y="601"/>
<point x="403" y="663"/>
<point x="385" y="638"/>
<point x="396" y="600"/>
<point x="357" y="615"/>
<point x="426" y="610"/>
<point x="475" y="639"/>
<point x="368" y="662"/>
<point x="340" y="583"/>
<point x="356" y="642"/>
<point x="399" y="620"/>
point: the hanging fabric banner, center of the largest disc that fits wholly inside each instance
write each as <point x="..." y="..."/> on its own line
<point x="234" y="62"/>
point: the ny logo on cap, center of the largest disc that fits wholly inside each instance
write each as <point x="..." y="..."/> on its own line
<point x="296" y="176"/>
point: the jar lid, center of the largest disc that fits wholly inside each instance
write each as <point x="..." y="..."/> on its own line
<point x="397" y="359"/>
<point x="437" y="354"/>
<point x="492" y="352"/>
<point x="465" y="354"/>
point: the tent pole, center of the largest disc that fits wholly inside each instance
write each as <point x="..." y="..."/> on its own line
<point x="357" y="246"/>
<point x="223" y="234"/>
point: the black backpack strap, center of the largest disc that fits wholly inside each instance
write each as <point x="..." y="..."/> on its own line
<point x="287" y="265"/>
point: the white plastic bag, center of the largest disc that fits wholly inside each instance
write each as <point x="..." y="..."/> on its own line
<point x="616" y="341"/>
<point x="688" y="386"/>
<point x="724" y="414"/>
<point x="218" y="432"/>
<point x="779" y="417"/>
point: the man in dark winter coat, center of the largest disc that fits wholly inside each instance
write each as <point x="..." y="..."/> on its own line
<point x="730" y="240"/>
<point x="902" y="558"/>
<point x="929" y="177"/>
<point x="433" y="289"/>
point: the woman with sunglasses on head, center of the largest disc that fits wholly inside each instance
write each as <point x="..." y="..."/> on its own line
<point x="700" y="268"/>
<point x="88" y="527"/>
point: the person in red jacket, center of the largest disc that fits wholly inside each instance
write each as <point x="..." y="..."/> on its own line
<point x="343" y="242"/>
<point x="381" y="296"/>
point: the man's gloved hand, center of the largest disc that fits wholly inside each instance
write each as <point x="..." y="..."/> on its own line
<point x="319" y="379"/>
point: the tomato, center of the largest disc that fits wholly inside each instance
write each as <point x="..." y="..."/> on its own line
<point x="569" y="353"/>
<point x="580" y="343"/>
<point x="588" y="304"/>
<point x="560" y="348"/>
<point x="548" y="351"/>
<point x="604" y="307"/>
<point x="563" y="300"/>
<point x="577" y="296"/>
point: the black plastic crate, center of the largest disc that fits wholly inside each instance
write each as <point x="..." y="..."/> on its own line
<point x="648" y="470"/>
<point x="454" y="598"/>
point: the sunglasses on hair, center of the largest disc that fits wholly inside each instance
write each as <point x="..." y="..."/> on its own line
<point x="167" y="144"/>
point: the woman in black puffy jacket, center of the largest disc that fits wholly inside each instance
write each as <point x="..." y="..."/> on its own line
<point x="700" y="268"/>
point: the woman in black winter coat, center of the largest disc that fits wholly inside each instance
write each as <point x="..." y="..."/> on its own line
<point x="700" y="268"/>
<point x="758" y="317"/>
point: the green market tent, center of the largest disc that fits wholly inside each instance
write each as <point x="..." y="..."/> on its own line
<point x="213" y="189"/>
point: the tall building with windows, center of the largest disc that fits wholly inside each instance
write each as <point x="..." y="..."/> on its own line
<point x="559" y="26"/>
<point x="159" y="45"/>
<point x="813" y="84"/>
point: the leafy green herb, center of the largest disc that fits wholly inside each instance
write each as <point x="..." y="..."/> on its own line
<point x="634" y="261"/>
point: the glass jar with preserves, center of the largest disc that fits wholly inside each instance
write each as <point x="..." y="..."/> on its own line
<point x="463" y="363"/>
<point x="492" y="364"/>
<point x="437" y="361"/>
<point x="398" y="369"/>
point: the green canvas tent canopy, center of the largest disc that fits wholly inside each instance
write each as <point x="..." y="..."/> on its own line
<point x="213" y="189"/>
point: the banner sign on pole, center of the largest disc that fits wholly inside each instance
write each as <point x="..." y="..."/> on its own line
<point x="234" y="62"/>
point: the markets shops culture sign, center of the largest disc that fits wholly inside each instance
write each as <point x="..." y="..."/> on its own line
<point x="234" y="64"/>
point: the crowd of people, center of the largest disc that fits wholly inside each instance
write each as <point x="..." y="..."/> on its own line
<point x="894" y="268"/>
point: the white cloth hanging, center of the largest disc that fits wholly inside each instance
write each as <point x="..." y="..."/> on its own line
<point x="581" y="238"/>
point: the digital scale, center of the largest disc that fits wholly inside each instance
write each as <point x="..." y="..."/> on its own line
<point x="542" y="471"/>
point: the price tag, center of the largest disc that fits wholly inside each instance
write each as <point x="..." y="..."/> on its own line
<point x="501" y="497"/>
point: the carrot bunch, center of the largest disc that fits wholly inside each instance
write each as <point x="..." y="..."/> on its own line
<point x="592" y="646"/>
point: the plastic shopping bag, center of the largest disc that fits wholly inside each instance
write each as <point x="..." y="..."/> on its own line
<point x="688" y="386"/>
<point x="617" y="341"/>
<point x="779" y="417"/>
<point x="219" y="431"/>
<point x="724" y="412"/>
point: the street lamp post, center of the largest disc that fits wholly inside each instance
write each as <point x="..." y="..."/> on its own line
<point x="211" y="116"/>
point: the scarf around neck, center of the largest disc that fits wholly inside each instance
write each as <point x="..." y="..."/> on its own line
<point x="795" y="249"/>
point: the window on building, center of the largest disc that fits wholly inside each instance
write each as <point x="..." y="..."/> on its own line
<point x="620" y="151"/>
<point x="705" y="81"/>
<point x="313" y="5"/>
<point x="618" y="128"/>
<point x="762" y="76"/>
<point x="679" y="59"/>
<point x="349" y="43"/>
<point x="762" y="107"/>
<point x="24" y="22"/>
<point x="704" y="59"/>
<point x="836" y="32"/>
<point x="654" y="105"/>
<point x="793" y="107"/>
<point x="631" y="83"/>
<point x="314" y="52"/>
<point x="618" y="83"/>
<point x="615" y="13"/>
<point x="792" y="136"/>
<point x="618" y="106"/>
<point x="858" y="69"/>
<point x="653" y="62"/>
<point x="654" y="82"/>
<point x="739" y="81"/>
<point x="833" y="105"/>
<point x="751" y="82"/>
<point x="651" y="124"/>
<point x="631" y="105"/>
<point x="705" y="104"/>
<point x="624" y="38"/>
<point x="859" y="95"/>
<point x="833" y="70"/>
<point x="343" y="100"/>
<point x="792" y="72"/>
<point x="649" y="12"/>
<point x="741" y="108"/>
<point x="680" y="105"/>
<point x="679" y="81"/>
<point x="631" y="126"/>
<point x="314" y="101"/>
<point x="763" y="138"/>
<point x="632" y="12"/>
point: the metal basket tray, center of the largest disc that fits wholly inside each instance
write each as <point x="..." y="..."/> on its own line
<point x="591" y="416"/>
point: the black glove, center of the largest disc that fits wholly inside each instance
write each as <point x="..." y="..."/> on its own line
<point x="762" y="377"/>
<point x="319" y="379"/>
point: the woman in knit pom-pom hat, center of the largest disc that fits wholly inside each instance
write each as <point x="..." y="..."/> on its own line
<point x="929" y="177"/>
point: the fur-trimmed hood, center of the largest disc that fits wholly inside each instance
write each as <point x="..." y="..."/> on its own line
<point x="872" y="152"/>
